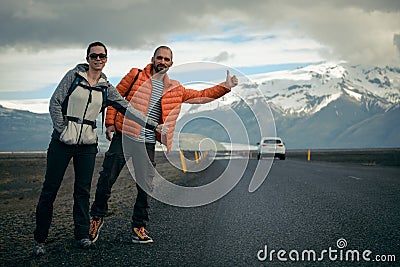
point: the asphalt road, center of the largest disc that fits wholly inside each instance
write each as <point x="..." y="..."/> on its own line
<point x="341" y="212"/>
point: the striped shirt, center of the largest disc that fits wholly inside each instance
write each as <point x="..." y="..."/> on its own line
<point x="154" y="112"/>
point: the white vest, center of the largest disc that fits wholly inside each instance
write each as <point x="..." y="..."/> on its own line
<point x="84" y="106"/>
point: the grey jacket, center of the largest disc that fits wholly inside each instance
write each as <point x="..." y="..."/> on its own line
<point x="84" y="105"/>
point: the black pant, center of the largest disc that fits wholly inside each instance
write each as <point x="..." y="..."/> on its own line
<point x="58" y="158"/>
<point x="142" y="155"/>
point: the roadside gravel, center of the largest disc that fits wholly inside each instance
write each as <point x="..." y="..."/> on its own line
<point x="20" y="184"/>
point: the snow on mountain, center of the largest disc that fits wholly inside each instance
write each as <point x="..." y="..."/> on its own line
<point x="40" y="106"/>
<point x="323" y="70"/>
<point x="307" y="90"/>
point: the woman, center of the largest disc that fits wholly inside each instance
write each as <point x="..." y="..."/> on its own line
<point x="74" y="106"/>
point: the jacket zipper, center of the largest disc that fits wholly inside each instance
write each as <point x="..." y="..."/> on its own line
<point x="84" y="114"/>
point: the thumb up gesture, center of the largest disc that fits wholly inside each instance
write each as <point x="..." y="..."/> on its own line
<point x="231" y="81"/>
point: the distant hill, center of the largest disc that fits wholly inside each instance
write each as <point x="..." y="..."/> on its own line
<point x="341" y="124"/>
<point x="24" y="130"/>
<point x="27" y="131"/>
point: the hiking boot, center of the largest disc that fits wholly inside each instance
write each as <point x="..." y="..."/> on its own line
<point x="39" y="249"/>
<point x="139" y="235"/>
<point x="95" y="226"/>
<point x="85" y="243"/>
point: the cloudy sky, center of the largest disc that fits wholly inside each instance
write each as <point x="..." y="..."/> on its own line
<point x="42" y="39"/>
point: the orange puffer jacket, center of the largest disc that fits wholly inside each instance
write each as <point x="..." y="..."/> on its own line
<point x="173" y="96"/>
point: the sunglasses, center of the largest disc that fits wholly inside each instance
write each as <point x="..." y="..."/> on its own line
<point x="94" y="56"/>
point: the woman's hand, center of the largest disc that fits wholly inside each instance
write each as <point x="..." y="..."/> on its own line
<point x="162" y="128"/>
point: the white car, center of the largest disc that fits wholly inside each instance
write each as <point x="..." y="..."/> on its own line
<point x="272" y="147"/>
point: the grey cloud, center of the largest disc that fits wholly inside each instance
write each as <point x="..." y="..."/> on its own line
<point x="355" y="30"/>
<point x="373" y="5"/>
<point x="68" y="24"/>
<point x="124" y="24"/>
<point x="221" y="57"/>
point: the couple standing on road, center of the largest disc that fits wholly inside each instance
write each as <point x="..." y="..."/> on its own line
<point x="150" y="115"/>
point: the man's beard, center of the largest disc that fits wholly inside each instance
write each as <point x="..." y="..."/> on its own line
<point x="157" y="68"/>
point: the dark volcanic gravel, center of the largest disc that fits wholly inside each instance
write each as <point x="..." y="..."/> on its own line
<point x="21" y="180"/>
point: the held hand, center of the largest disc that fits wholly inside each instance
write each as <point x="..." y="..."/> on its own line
<point x="162" y="128"/>
<point x="231" y="81"/>
<point x="109" y="130"/>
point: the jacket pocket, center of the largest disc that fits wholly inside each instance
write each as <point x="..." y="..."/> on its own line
<point x="70" y="134"/>
<point x="89" y="135"/>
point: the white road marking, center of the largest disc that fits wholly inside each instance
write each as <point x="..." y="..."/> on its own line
<point x="357" y="178"/>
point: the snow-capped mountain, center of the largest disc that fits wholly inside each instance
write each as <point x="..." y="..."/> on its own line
<point x="305" y="91"/>
<point x="325" y="105"/>
<point x="308" y="90"/>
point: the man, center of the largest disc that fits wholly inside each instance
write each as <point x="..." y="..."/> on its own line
<point x="160" y="98"/>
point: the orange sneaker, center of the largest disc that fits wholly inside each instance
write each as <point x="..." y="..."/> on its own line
<point x="95" y="226"/>
<point x="139" y="235"/>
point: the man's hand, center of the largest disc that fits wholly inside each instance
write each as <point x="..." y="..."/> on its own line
<point x="109" y="130"/>
<point x="231" y="81"/>
<point x="162" y="128"/>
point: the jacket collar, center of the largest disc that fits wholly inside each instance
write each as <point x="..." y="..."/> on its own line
<point x="82" y="69"/>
